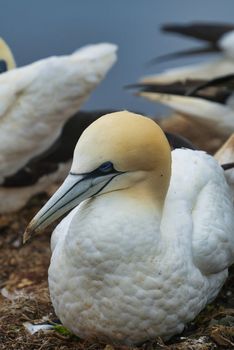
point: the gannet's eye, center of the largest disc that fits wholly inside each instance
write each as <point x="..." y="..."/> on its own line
<point x="106" y="167"/>
<point x="3" y="66"/>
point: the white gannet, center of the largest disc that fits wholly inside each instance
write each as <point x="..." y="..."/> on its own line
<point x="150" y="237"/>
<point x="218" y="37"/>
<point x="209" y="103"/>
<point x="36" y="102"/>
<point x="7" y="60"/>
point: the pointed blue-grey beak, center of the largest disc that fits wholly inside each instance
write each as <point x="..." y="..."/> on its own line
<point x="74" y="190"/>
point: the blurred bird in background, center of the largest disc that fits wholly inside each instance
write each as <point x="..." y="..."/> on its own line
<point x="218" y="38"/>
<point x="206" y="116"/>
<point x="36" y="102"/>
<point x="203" y="102"/>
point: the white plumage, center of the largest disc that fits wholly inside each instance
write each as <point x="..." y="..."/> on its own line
<point x="212" y="105"/>
<point x="36" y="101"/>
<point x="137" y="259"/>
<point x="211" y="114"/>
<point x="218" y="38"/>
<point x="205" y="70"/>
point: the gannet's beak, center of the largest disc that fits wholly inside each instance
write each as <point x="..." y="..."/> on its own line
<point x="73" y="191"/>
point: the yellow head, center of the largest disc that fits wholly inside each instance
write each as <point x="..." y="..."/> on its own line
<point x="133" y="143"/>
<point x="6" y="55"/>
<point x="120" y="151"/>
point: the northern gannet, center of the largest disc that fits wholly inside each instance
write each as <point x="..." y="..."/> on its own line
<point x="218" y="37"/>
<point x="7" y="60"/>
<point x="36" y="102"/>
<point x="150" y="237"/>
<point x="207" y="102"/>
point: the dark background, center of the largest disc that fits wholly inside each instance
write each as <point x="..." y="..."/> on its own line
<point x="37" y="29"/>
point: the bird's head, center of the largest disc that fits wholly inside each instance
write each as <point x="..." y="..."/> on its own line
<point x="6" y="57"/>
<point x="119" y="151"/>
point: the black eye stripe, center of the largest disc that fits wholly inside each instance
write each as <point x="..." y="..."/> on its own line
<point x="103" y="169"/>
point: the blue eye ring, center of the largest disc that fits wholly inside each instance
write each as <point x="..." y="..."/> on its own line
<point x="106" y="167"/>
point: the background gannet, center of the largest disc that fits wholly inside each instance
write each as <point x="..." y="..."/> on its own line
<point x="208" y="105"/>
<point x="218" y="38"/>
<point x="7" y="60"/>
<point x="36" y="101"/>
<point x="170" y="86"/>
<point x="149" y="240"/>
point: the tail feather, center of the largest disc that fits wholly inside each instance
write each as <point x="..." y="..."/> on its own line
<point x="227" y="166"/>
<point x="189" y="87"/>
<point x="211" y="33"/>
<point x="184" y="53"/>
<point x="206" y="31"/>
<point x="226" y="81"/>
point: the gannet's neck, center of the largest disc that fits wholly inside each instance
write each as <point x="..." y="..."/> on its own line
<point x="121" y="224"/>
<point x="157" y="184"/>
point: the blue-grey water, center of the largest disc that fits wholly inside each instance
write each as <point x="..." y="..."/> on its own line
<point x="37" y="29"/>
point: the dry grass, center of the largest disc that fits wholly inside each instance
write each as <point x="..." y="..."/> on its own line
<point x="23" y="279"/>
